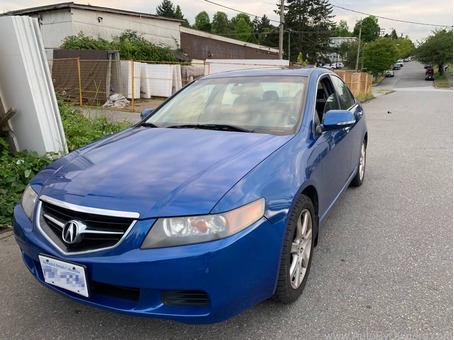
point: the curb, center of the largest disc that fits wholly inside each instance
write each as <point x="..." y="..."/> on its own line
<point x="6" y="234"/>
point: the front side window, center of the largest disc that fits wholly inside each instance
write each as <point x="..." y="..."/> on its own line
<point x="346" y="99"/>
<point x="263" y="104"/>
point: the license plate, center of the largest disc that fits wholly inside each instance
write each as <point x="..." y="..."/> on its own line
<point x="65" y="275"/>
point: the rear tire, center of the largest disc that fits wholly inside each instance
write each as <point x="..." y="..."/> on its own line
<point x="297" y="251"/>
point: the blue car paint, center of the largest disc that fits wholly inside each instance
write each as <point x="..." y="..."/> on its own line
<point x="174" y="177"/>
<point x="236" y="272"/>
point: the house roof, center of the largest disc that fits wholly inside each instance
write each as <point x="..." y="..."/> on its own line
<point x="72" y="5"/>
<point x="212" y="36"/>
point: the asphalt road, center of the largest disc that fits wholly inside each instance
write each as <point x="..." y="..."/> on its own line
<point x="382" y="269"/>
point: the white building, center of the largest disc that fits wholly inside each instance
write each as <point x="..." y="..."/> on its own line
<point x="59" y="21"/>
<point x="335" y="43"/>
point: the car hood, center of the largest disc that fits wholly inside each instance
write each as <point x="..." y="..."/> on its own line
<point x="159" y="172"/>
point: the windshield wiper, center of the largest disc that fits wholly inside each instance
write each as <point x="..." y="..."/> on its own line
<point x="146" y="124"/>
<point x="223" y="127"/>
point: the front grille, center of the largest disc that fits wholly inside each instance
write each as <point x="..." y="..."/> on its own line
<point x="97" y="229"/>
<point x="185" y="298"/>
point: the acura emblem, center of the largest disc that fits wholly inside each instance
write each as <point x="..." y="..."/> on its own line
<point x="72" y="231"/>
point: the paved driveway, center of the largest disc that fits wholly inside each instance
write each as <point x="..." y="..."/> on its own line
<point x="383" y="266"/>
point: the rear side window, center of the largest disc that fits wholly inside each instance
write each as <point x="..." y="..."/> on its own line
<point x="345" y="97"/>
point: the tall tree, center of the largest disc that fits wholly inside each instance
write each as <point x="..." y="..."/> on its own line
<point x="239" y="16"/>
<point x="379" y="55"/>
<point x="166" y="9"/>
<point x="394" y="34"/>
<point x="202" y="22"/>
<point x="341" y="29"/>
<point x="241" y="26"/>
<point x="437" y="49"/>
<point x="404" y="46"/>
<point x="220" y="23"/>
<point x="265" y="33"/>
<point x="370" y="30"/>
<point x="310" y="20"/>
<point x="179" y="15"/>
<point x="243" y="30"/>
<point x="348" y="50"/>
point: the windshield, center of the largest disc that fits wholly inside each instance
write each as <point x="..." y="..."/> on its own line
<point x="264" y="104"/>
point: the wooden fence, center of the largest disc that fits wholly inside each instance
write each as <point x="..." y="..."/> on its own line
<point x="360" y="83"/>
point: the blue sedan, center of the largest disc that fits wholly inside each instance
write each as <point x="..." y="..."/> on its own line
<point x="208" y="206"/>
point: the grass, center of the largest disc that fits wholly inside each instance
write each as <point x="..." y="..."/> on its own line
<point x="365" y="97"/>
<point x="441" y="82"/>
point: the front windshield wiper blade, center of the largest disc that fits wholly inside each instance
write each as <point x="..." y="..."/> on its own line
<point x="223" y="127"/>
<point x="146" y="124"/>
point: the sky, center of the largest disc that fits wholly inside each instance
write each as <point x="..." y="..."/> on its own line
<point x="416" y="19"/>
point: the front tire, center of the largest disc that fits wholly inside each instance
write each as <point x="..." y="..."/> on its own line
<point x="359" y="177"/>
<point x="297" y="251"/>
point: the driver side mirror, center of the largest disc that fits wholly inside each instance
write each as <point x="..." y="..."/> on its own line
<point x="146" y="112"/>
<point x="337" y="119"/>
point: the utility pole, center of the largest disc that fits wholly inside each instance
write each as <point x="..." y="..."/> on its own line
<point x="359" y="45"/>
<point x="281" y="31"/>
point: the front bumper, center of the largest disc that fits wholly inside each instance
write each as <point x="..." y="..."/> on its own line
<point x="201" y="283"/>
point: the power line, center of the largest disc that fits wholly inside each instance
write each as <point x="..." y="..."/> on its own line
<point x="391" y="19"/>
<point x="341" y="7"/>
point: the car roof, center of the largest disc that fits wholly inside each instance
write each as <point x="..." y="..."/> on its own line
<point x="281" y="71"/>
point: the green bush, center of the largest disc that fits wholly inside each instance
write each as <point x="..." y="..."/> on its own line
<point x="16" y="170"/>
<point x="81" y="130"/>
<point x="131" y="45"/>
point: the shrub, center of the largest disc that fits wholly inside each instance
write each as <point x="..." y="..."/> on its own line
<point x="16" y="170"/>
<point x="130" y="44"/>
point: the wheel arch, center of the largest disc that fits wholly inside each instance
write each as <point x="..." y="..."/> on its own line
<point x="312" y="193"/>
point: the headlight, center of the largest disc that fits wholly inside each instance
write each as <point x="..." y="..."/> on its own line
<point x="28" y="202"/>
<point x="176" y="231"/>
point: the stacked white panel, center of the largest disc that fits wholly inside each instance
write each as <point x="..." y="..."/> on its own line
<point x="145" y="81"/>
<point x="161" y="84"/>
<point x="26" y="84"/>
<point x="130" y="78"/>
<point x="176" y="78"/>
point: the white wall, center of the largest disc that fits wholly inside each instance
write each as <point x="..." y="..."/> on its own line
<point x="55" y="26"/>
<point x="107" y="25"/>
<point x="58" y="24"/>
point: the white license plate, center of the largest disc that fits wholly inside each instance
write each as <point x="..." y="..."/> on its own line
<point x="65" y="275"/>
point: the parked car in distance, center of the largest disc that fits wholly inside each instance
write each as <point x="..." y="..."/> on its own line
<point x="333" y="66"/>
<point x="209" y="205"/>
<point x="400" y="62"/>
<point x="429" y="74"/>
<point x="396" y="66"/>
<point x="389" y="73"/>
<point x="329" y="66"/>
